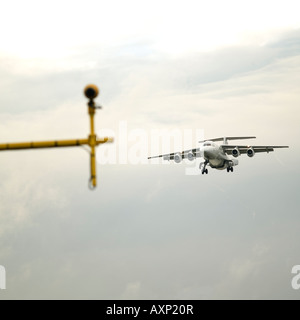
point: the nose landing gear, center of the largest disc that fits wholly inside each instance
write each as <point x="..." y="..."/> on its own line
<point x="229" y="169"/>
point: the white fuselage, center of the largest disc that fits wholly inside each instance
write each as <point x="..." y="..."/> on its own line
<point x="216" y="157"/>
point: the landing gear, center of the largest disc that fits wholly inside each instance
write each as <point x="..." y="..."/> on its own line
<point x="229" y="169"/>
<point x="204" y="170"/>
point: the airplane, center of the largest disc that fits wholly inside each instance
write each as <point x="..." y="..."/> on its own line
<point x="217" y="156"/>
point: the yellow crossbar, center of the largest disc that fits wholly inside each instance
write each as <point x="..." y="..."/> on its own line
<point x="51" y="144"/>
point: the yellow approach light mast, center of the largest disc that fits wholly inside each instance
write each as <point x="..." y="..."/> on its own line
<point x="91" y="92"/>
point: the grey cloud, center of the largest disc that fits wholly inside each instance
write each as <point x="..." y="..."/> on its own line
<point x="191" y="241"/>
<point x="185" y="74"/>
<point x="131" y="69"/>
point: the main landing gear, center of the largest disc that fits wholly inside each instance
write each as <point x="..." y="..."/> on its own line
<point x="229" y="169"/>
<point x="204" y="170"/>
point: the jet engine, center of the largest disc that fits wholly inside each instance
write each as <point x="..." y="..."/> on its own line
<point x="250" y="152"/>
<point x="191" y="156"/>
<point x="177" y="158"/>
<point x="236" y="152"/>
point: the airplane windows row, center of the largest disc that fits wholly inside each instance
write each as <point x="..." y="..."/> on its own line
<point x="207" y="144"/>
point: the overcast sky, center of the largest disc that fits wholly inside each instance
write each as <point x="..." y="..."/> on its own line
<point x="149" y="231"/>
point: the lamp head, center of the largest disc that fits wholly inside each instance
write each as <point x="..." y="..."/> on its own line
<point x="91" y="91"/>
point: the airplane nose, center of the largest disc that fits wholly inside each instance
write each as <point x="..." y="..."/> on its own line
<point x="208" y="153"/>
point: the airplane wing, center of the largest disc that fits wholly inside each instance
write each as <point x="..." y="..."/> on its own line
<point x="193" y="153"/>
<point x="243" y="149"/>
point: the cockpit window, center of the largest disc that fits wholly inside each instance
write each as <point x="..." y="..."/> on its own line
<point x="207" y="144"/>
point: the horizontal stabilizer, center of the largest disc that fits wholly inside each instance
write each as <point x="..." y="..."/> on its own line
<point x="225" y="139"/>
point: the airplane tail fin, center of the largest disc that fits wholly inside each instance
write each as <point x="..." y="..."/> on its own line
<point x="226" y="139"/>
